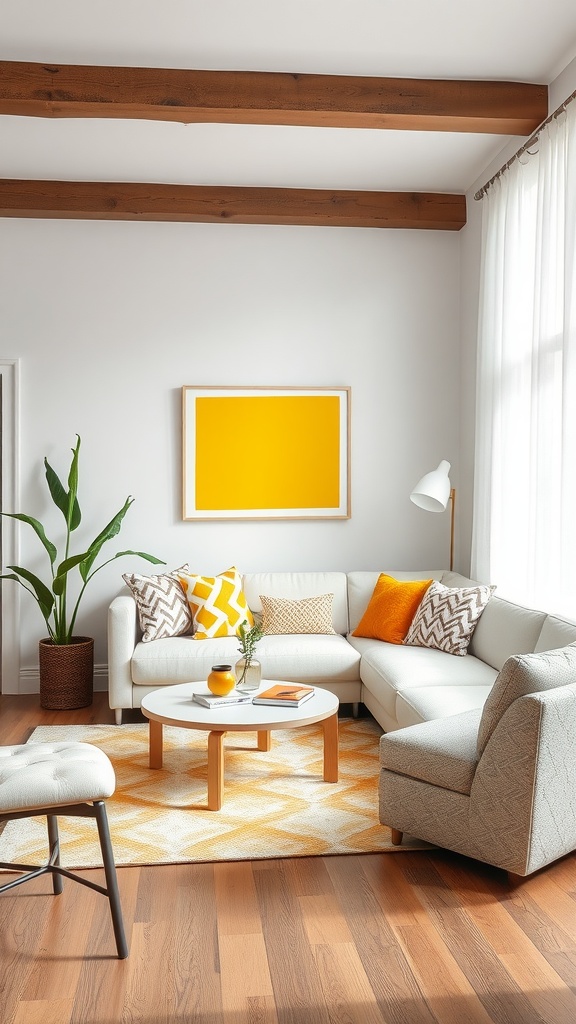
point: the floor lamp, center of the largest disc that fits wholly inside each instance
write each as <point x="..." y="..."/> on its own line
<point x="433" y="492"/>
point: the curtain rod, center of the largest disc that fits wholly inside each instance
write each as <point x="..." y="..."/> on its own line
<point x="524" y="149"/>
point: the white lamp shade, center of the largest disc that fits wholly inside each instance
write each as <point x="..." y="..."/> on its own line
<point x="433" y="490"/>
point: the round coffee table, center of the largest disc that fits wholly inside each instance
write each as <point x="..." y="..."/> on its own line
<point x="173" y="705"/>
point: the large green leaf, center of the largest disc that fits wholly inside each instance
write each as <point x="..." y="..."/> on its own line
<point x="73" y="487"/>
<point x="141" y="554"/>
<point x="43" y="596"/>
<point x="66" y="500"/>
<point x="59" y="581"/>
<point x="38" y="530"/>
<point x="120" y="554"/>
<point x="109" y="531"/>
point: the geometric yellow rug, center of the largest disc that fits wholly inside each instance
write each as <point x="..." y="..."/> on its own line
<point x="275" y="804"/>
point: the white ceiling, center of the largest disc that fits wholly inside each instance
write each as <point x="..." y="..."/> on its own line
<point x="510" y="40"/>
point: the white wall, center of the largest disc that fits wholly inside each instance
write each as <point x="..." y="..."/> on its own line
<point x="109" y="320"/>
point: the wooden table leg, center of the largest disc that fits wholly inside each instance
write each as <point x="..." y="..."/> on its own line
<point x="330" y="727"/>
<point x="155" y="744"/>
<point x="265" y="740"/>
<point x="215" y="770"/>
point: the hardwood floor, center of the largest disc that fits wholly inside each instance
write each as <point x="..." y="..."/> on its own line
<point x="404" y="938"/>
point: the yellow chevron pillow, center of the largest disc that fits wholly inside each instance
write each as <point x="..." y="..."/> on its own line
<point x="217" y="603"/>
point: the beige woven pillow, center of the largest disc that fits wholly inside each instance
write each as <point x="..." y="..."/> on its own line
<point x="307" y="615"/>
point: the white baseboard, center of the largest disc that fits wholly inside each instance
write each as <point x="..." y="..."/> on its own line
<point x="30" y="679"/>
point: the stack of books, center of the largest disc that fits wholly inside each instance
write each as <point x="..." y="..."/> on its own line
<point x="209" y="700"/>
<point x="284" y="695"/>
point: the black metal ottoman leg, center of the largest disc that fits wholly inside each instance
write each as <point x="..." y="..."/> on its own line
<point x="54" y="842"/>
<point x="111" y="879"/>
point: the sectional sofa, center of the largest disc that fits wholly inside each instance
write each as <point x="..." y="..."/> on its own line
<point x="399" y="685"/>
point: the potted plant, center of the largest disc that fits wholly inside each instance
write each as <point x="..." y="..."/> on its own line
<point x="248" y="671"/>
<point x="66" y="660"/>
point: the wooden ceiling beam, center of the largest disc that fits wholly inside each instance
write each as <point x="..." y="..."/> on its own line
<point x="104" y="200"/>
<point x="261" y="97"/>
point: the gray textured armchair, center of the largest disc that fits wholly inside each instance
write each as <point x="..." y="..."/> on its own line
<point x="497" y="784"/>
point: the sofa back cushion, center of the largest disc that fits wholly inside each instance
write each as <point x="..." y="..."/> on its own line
<point x="555" y="632"/>
<point x="505" y="629"/>
<point x="361" y="585"/>
<point x="521" y="675"/>
<point x="299" y="585"/>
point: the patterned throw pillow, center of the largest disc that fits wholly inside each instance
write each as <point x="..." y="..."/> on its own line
<point x="162" y="606"/>
<point x="308" y="615"/>
<point x="391" y="609"/>
<point x="447" y="617"/>
<point x="217" y="603"/>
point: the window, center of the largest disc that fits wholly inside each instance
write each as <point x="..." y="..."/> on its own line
<point x="524" y="535"/>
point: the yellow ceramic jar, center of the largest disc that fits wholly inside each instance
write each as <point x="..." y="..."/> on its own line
<point x="221" y="680"/>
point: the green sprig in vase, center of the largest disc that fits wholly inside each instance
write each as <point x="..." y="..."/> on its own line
<point x="248" y="670"/>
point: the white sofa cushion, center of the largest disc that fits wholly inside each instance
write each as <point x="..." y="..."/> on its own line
<point x="387" y="669"/>
<point x="308" y="658"/>
<point x="302" y="658"/>
<point x="180" y="659"/>
<point x="298" y="585"/>
<point x="505" y="629"/>
<point x="424" y="703"/>
<point x="555" y="632"/>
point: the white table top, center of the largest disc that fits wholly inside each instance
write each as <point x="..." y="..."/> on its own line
<point x="173" y="705"/>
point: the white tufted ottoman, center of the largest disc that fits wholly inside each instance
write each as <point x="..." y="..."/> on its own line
<point x="61" y="778"/>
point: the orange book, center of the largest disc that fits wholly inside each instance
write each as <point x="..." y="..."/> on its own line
<point x="284" y="695"/>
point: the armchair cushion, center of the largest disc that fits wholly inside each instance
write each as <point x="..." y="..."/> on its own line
<point x="523" y="674"/>
<point x="442" y="752"/>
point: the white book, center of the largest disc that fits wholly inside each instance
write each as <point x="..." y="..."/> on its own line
<point x="210" y="700"/>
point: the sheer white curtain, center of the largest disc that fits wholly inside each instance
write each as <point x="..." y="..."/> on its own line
<point x="524" y="532"/>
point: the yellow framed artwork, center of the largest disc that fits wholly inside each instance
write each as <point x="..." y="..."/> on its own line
<point x="266" y="453"/>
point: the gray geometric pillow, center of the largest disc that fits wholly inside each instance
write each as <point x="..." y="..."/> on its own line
<point x="161" y="602"/>
<point x="447" y="617"/>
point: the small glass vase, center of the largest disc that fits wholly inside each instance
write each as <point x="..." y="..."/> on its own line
<point x="248" y="675"/>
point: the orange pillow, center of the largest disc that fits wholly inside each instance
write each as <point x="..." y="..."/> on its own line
<point x="391" y="609"/>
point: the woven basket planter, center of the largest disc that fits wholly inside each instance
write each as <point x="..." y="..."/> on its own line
<point x="66" y="673"/>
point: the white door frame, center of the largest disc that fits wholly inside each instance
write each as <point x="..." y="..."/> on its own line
<point x="9" y="371"/>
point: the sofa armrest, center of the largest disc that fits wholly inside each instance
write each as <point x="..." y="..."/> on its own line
<point x="123" y="635"/>
<point x="523" y="798"/>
